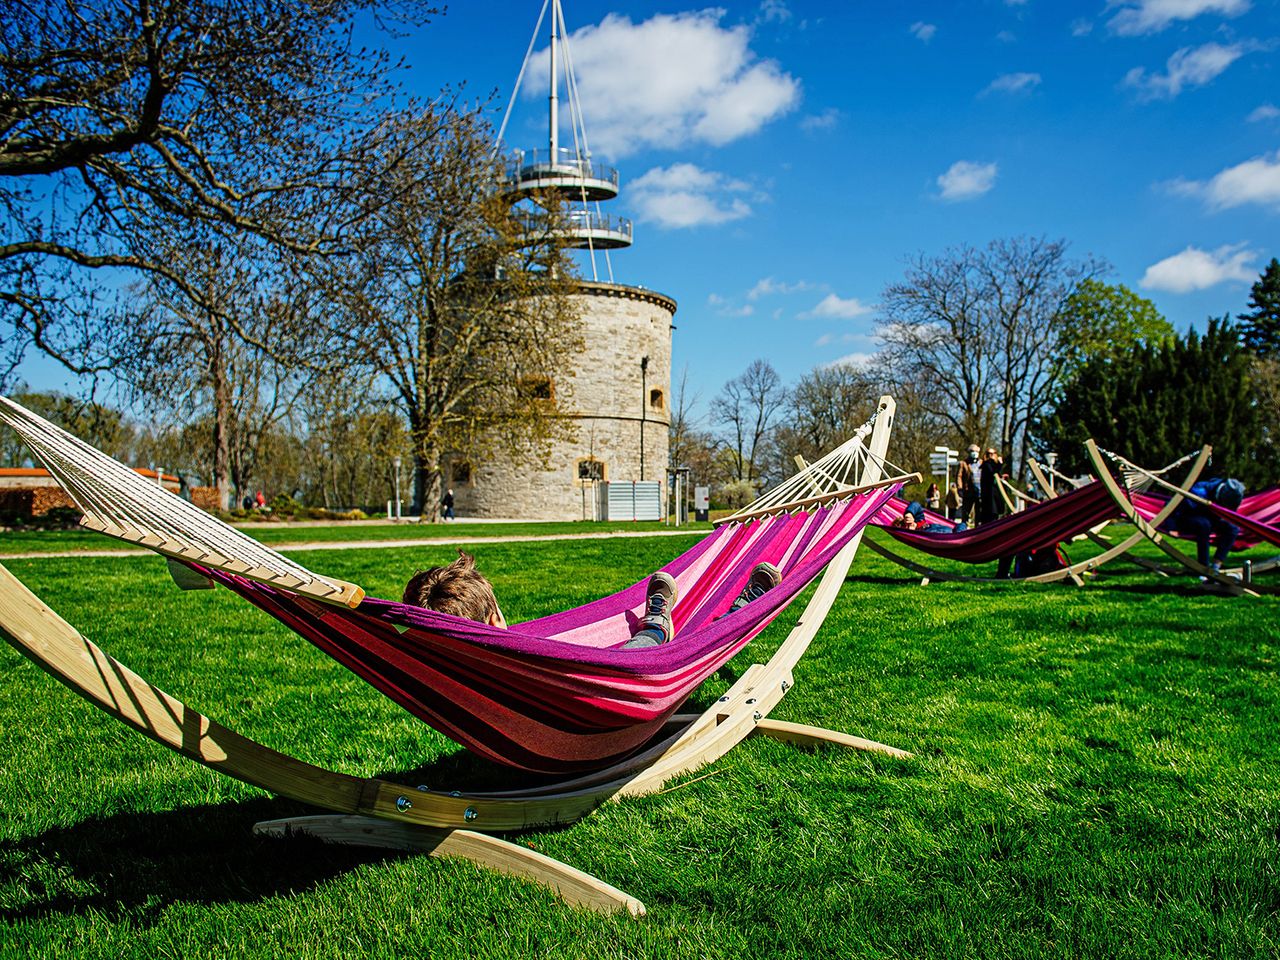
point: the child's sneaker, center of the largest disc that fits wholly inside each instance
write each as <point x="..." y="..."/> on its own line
<point x="764" y="577"/>
<point x="655" y="625"/>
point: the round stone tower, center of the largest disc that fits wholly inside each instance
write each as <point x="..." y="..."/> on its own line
<point x="619" y="394"/>
<point x="621" y="408"/>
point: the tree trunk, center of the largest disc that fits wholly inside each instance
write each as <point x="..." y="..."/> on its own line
<point x="221" y="429"/>
<point x="427" y="490"/>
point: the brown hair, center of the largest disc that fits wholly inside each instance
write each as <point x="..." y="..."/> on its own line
<point x="458" y="589"/>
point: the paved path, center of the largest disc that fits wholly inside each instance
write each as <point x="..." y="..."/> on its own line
<point x="373" y="544"/>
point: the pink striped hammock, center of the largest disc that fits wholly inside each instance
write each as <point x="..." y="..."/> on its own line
<point x="1251" y="518"/>
<point x="1035" y="528"/>
<point x="557" y="694"/>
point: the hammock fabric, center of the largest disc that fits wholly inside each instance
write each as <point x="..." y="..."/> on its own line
<point x="557" y="694"/>
<point x="1263" y="506"/>
<point x="1253" y="529"/>
<point x="1035" y="528"/>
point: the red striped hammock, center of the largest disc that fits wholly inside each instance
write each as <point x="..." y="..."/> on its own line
<point x="558" y="694"/>
<point x="1043" y="525"/>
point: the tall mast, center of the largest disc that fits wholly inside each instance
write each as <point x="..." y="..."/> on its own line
<point x="555" y="119"/>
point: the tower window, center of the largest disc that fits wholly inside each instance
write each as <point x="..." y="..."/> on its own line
<point x="590" y="469"/>
<point x="536" y="388"/>
<point x="460" y="471"/>
<point x="655" y="399"/>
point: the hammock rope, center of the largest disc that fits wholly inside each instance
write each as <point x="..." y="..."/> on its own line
<point x="121" y="503"/>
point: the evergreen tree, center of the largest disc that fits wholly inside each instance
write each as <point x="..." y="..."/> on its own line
<point x="1261" y="326"/>
<point x="1155" y="402"/>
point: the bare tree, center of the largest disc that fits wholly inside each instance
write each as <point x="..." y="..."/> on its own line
<point x="353" y="437"/>
<point x="746" y="407"/>
<point x="125" y="120"/>
<point x="684" y="428"/>
<point x="980" y="331"/>
<point x="203" y="350"/>
<point x="463" y="310"/>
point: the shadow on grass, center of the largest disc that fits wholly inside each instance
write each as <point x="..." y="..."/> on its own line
<point x="137" y="864"/>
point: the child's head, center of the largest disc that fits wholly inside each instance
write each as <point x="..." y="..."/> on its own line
<point x="458" y="589"/>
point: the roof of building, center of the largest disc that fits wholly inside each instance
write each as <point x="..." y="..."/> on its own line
<point x="41" y="473"/>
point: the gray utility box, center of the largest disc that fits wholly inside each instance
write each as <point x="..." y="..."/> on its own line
<point x="629" y="500"/>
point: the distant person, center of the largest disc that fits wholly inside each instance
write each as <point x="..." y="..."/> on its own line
<point x="953" y="501"/>
<point x="1202" y="524"/>
<point x="247" y="502"/>
<point x="260" y="501"/>
<point x="969" y="482"/>
<point x="461" y="590"/>
<point x="446" y="505"/>
<point x="933" y="497"/>
<point x="989" y="499"/>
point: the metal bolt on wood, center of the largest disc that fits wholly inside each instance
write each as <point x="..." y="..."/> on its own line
<point x="403" y="804"/>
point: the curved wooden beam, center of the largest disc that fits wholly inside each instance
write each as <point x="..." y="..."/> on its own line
<point x="1096" y="534"/>
<point x="928" y="574"/>
<point x="573" y="885"/>
<point x="1149" y="529"/>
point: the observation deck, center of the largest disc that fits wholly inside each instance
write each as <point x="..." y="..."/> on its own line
<point x="579" y="229"/>
<point x="537" y="171"/>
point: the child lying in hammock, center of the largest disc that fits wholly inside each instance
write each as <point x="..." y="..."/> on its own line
<point x="461" y="590"/>
<point x="913" y="518"/>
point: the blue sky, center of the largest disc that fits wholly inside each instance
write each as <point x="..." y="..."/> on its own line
<point x="781" y="160"/>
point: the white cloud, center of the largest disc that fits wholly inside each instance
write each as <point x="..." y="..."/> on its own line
<point x="1254" y="181"/>
<point x="1081" y="27"/>
<point x="1007" y="36"/>
<point x="769" y="287"/>
<point x="1012" y="83"/>
<point x="1266" y="111"/>
<point x="670" y="80"/>
<point x="828" y="119"/>
<point x="1196" y="269"/>
<point x="850" y="360"/>
<point x="923" y="31"/>
<point x="864" y="339"/>
<point x="832" y="307"/>
<point x="726" y="309"/>
<point x="1137" y="17"/>
<point x="684" y="195"/>
<point x="965" y="180"/>
<point x="1188" y="67"/>
<point x="774" y="11"/>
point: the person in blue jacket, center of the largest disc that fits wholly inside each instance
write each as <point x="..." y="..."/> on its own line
<point x="1199" y="522"/>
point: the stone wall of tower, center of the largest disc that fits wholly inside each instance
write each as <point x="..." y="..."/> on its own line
<point x="612" y="403"/>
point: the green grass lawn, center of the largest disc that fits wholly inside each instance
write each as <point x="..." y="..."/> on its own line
<point x="58" y="541"/>
<point x="1095" y="775"/>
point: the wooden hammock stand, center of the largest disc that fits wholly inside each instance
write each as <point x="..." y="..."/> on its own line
<point x="1223" y="582"/>
<point x="381" y="813"/>
<point x="1075" y="571"/>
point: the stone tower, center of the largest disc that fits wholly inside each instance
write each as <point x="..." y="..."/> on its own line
<point x="620" y="389"/>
